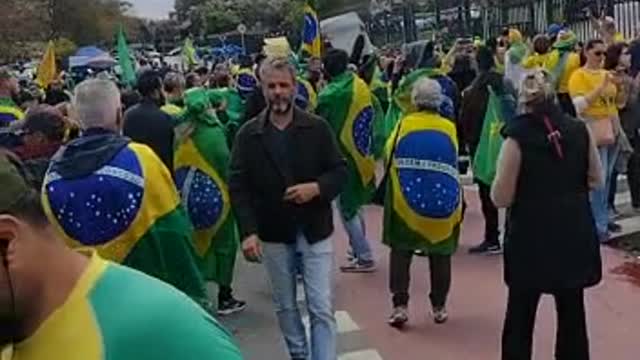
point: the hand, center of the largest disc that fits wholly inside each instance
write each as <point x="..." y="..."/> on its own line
<point x="252" y="249"/>
<point x="302" y="193"/>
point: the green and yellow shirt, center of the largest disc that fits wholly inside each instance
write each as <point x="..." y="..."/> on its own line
<point x="9" y="112"/>
<point x="116" y="313"/>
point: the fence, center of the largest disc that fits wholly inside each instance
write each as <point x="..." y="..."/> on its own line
<point x="535" y="16"/>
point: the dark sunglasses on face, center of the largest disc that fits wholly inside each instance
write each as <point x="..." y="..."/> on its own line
<point x="598" y="53"/>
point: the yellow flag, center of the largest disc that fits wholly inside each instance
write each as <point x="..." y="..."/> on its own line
<point x="47" y="68"/>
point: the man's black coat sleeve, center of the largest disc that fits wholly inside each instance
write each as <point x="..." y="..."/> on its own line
<point x="240" y="187"/>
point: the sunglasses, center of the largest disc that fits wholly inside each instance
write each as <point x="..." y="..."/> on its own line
<point x="598" y="53"/>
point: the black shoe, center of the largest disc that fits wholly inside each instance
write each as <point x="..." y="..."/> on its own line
<point x="230" y="306"/>
<point x="486" y="249"/>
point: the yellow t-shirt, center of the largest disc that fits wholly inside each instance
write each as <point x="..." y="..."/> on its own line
<point x="583" y="82"/>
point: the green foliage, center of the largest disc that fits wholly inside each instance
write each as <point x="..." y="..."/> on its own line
<point x="225" y="15"/>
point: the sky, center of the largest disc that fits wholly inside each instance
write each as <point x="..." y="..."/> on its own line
<point x="154" y="9"/>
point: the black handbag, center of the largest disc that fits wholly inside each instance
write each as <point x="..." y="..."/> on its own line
<point x="381" y="191"/>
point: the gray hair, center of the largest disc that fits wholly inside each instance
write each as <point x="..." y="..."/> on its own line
<point x="426" y="94"/>
<point x="277" y="63"/>
<point x="97" y="103"/>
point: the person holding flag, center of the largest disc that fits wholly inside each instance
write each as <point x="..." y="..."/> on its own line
<point x="103" y="191"/>
<point x="476" y="105"/>
<point x="347" y="104"/>
<point x="201" y="167"/>
<point x="424" y="204"/>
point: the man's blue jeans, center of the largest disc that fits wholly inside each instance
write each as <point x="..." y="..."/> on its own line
<point x="317" y="272"/>
<point x="356" y="231"/>
<point x="599" y="197"/>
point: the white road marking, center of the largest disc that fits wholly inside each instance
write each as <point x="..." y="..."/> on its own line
<point x="344" y="322"/>
<point x="361" y="355"/>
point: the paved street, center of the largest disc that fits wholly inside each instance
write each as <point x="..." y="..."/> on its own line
<point x="476" y="306"/>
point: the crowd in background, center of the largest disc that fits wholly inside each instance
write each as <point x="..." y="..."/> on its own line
<point x="569" y="126"/>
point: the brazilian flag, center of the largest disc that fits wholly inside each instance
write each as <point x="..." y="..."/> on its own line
<point x="202" y="170"/>
<point x="311" y="37"/>
<point x="347" y="104"/>
<point x="127" y="209"/>
<point x="232" y="113"/>
<point x="486" y="157"/>
<point x="246" y="82"/>
<point x="306" y="97"/>
<point x="423" y="205"/>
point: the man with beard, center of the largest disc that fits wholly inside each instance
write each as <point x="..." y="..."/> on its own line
<point x="9" y="90"/>
<point x="56" y="303"/>
<point x="282" y="199"/>
<point x="146" y="123"/>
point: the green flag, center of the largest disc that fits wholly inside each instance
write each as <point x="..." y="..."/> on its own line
<point x="202" y="170"/>
<point x="127" y="71"/>
<point x="347" y="104"/>
<point x="486" y="158"/>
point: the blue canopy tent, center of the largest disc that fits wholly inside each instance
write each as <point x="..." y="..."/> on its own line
<point x="91" y="56"/>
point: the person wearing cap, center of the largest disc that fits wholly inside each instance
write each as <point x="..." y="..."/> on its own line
<point x="424" y="203"/>
<point x="59" y="303"/>
<point x="551" y="243"/>
<point x="553" y="31"/>
<point x="9" y="91"/>
<point x="106" y="192"/>
<point x="42" y="133"/>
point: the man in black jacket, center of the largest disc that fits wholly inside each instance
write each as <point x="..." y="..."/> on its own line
<point x="146" y="123"/>
<point x="286" y="169"/>
<point x="472" y="115"/>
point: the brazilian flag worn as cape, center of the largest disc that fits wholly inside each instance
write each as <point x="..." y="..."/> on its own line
<point x="423" y="205"/>
<point x="106" y="193"/>
<point x="347" y="104"/>
<point x="201" y="170"/>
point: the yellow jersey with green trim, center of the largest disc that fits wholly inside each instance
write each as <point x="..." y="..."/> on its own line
<point x="117" y="313"/>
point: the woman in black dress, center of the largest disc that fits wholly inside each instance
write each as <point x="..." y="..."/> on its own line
<point x="548" y="165"/>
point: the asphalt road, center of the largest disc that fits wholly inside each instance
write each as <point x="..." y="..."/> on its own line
<point x="476" y="307"/>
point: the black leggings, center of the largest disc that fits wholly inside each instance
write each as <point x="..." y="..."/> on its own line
<point x="572" y="342"/>
<point x="440" y="273"/>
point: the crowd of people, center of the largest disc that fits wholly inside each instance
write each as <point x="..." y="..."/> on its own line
<point x="174" y="177"/>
